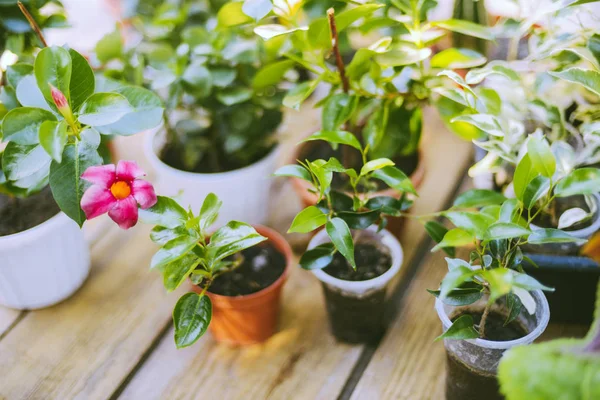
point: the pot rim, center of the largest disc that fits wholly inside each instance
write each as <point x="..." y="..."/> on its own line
<point x="491" y="344"/>
<point x="387" y="239"/>
<point x="283" y="247"/>
<point x="587" y="232"/>
<point x="158" y="164"/>
<point x="38" y="230"/>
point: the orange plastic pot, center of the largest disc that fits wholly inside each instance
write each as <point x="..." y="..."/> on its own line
<point x="250" y="319"/>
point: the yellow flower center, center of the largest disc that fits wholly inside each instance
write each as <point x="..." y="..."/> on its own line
<point x="120" y="190"/>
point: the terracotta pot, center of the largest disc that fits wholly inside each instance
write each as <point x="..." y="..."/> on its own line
<point x="249" y="319"/>
<point x="395" y="225"/>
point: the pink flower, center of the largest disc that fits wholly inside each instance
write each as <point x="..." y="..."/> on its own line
<point x="118" y="191"/>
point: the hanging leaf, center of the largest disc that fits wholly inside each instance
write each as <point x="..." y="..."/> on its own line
<point x="191" y="317"/>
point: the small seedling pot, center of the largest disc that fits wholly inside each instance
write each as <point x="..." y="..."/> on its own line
<point x="472" y="364"/>
<point x="44" y="265"/>
<point x="240" y="190"/>
<point x="253" y="318"/>
<point x="356" y="308"/>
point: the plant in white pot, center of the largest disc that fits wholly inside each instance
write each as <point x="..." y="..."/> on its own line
<point x="50" y="135"/>
<point x="223" y="108"/>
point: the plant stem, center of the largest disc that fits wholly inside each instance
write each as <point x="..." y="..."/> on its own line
<point x="484" y="317"/>
<point x="33" y="24"/>
<point x="336" y="50"/>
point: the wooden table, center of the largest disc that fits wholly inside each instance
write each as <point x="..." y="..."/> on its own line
<point x="114" y="337"/>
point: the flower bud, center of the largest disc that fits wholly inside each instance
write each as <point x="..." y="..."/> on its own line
<point x="61" y="103"/>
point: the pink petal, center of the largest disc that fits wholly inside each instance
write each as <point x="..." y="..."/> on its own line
<point x="125" y="213"/>
<point x="129" y="170"/>
<point x="143" y="192"/>
<point x="103" y="175"/>
<point x="96" y="201"/>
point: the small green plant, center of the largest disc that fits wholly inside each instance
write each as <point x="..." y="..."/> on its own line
<point x="497" y="231"/>
<point x="341" y="212"/>
<point x="189" y="251"/>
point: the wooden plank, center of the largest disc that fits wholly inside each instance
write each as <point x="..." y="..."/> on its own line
<point x="8" y="318"/>
<point x="85" y="346"/>
<point x="302" y="360"/>
<point x="408" y="364"/>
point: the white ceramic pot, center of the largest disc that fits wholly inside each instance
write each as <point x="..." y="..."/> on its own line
<point x="43" y="265"/>
<point x="245" y="192"/>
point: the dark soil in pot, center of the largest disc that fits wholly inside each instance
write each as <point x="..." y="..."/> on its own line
<point x="17" y="215"/>
<point x="320" y="150"/>
<point x="261" y="267"/>
<point x="464" y="382"/>
<point x="353" y="319"/>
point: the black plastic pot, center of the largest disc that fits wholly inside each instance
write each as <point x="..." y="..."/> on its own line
<point x="574" y="279"/>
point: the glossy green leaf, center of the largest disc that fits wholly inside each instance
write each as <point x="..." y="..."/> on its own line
<point x="454" y="58"/>
<point x="478" y="198"/>
<point x="110" y="47"/>
<point x="454" y="279"/>
<point x="500" y="282"/>
<point x="476" y="76"/>
<point x="318" y="33"/>
<point x="474" y="222"/>
<point x="376" y="127"/>
<point x="53" y="138"/>
<point x="209" y="211"/>
<point x="295" y="171"/>
<point x="270" y="31"/>
<point x="549" y="235"/>
<point x="465" y="27"/>
<point x="486" y="122"/>
<point x="542" y="159"/>
<point x="528" y="282"/>
<point x="318" y="257"/>
<point x="395" y="179"/>
<point x="173" y="250"/>
<point x="29" y="95"/>
<point x="437" y="232"/>
<point x="593" y="46"/>
<point x="308" y="220"/>
<point x="571" y="217"/>
<point x="337" y="110"/>
<point x="537" y="188"/>
<point x="166" y="213"/>
<point x="231" y="239"/>
<point x="232" y="14"/>
<point x="580" y="181"/>
<point x="197" y="79"/>
<point x="161" y="235"/>
<point x="514" y="305"/>
<point x="359" y="220"/>
<point x="271" y="74"/>
<point x="26" y="166"/>
<point x="22" y="125"/>
<point x="505" y="230"/>
<point x="508" y="210"/>
<point x="294" y="98"/>
<point x="386" y="204"/>
<point x="524" y="173"/>
<point x="589" y="79"/>
<point x="341" y="237"/>
<point x="191" y="317"/>
<point x="464" y="295"/>
<point x="454" y="238"/>
<point x="16" y="72"/>
<point x="53" y="67"/>
<point x="402" y="57"/>
<point x="175" y="273"/>
<point x="375" y="165"/>
<point x="104" y="109"/>
<point x="257" y="9"/>
<point x="336" y="137"/>
<point x="462" y="328"/>
<point x="83" y="81"/>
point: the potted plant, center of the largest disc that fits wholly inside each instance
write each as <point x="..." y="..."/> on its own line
<point x="50" y="134"/>
<point x="563" y="368"/>
<point x="223" y="109"/>
<point x="489" y="304"/>
<point x="379" y="95"/>
<point x="354" y="257"/>
<point x="236" y="272"/>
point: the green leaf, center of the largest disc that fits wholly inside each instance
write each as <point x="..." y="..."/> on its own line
<point x="587" y="78"/>
<point x="505" y="230"/>
<point x="549" y="235"/>
<point x="467" y="294"/>
<point x="542" y="159"/>
<point x="395" y="179"/>
<point x="318" y="33"/>
<point x="308" y="220"/>
<point x="341" y="237"/>
<point x="454" y="238"/>
<point x="462" y="328"/>
<point x="16" y="72"/>
<point x="53" y="66"/>
<point x="175" y="273"/>
<point x="166" y="213"/>
<point x="336" y="137"/>
<point x="486" y="122"/>
<point x="21" y="125"/>
<point x="478" y="198"/>
<point x="454" y="58"/>
<point x="514" y="305"/>
<point x="359" y="220"/>
<point x="466" y="28"/>
<point x="437" y="232"/>
<point x="508" y="209"/>
<point x="474" y="222"/>
<point x="146" y="112"/>
<point x="209" y="211"/>
<point x="234" y="95"/>
<point x="593" y="46"/>
<point x="161" y="235"/>
<point x="376" y="126"/>
<point x="572" y="216"/>
<point x="294" y="98"/>
<point x="524" y="174"/>
<point x="580" y="181"/>
<point x="295" y="171"/>
<point x="26" y="166"/>
<point x="455" y="278"/>
<point x="270" y="31"/>
<point x="528" y="283"/>
<point x="173" y="250"/>
<point x="104" y="109"/>
<point x="387" y="205"/>
<point x="257" y="9"/>
<point x="83" y="81"/>
<point x="500" y="282"/>
<point x="337" y="110"/>
<point x="537" y="188"/>
<point x="197" y="79"/>
<point x="232" y="14"/>
<point x="53" y="138"/>
<point x="191" y="317"/>
<point x="232" y="238"/>
<point x="318" y="257"/>
<point x="110" y="47"/>
<point x="375" y="165"/>
<point x="29" y="95"/>
<point x="402" y="57"/>
<point x="65" y="182"/>
<point x="476" y="76"/>
<point x="271" y="74"/>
